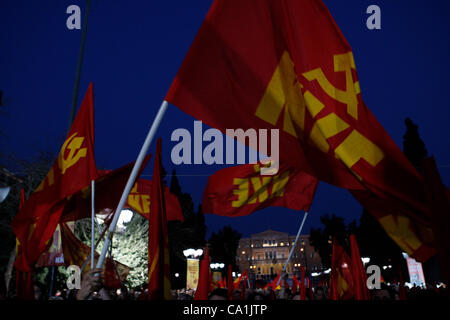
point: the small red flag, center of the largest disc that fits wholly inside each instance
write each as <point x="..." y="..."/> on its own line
<point x="241" y="190"/>
<point x="230" y="284"/>
<point x="204" y="284"/>
<point x="302" y="284"/>
<point x="139" y="200"/>
<point x="359" y="274"/>
<point x="158" y="246"/>
<point x="294" y="284"/>
<point x="341" y="279"/>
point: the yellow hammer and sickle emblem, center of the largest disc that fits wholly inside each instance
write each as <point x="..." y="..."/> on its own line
<point x="283" y="94"/>
<point x="73" y="144"/>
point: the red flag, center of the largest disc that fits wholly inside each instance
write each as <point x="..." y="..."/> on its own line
<point x="302" y="284"/>
<point x="294" y="284"/>
<point x="274" y="284"/>
<point x="139" y="200"/>
<point x="241" y="190"/>
<point x="74" y="169"/>
<point x="305" y="84"/>
<point x="341" y="279"/>
<point x="230" y="284"/>
<point x="204" y="284"/>
<point x="242" y="277"/>
<point x="158" y="246"/>
<point x="24" y="280"/>
<point x="359" y="274"/>
<point x="109" y="187"/>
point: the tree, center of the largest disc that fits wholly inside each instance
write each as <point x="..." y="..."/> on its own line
<point x="32" y="172"/>
<point x="322" y="239"/>
<point x="129" y="247"/>
<point x="413" y="146"/>
<point x="223" y="246"/>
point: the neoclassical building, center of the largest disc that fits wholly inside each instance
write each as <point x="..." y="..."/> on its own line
<point x="264" y="254"/>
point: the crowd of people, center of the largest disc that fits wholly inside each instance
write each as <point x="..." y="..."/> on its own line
<point x="92" y="288"/>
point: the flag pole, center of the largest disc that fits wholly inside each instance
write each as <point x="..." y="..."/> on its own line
<point x="80" y="63"/>
<point x="293" y="247"/>
<point x="131" y="179"/>
<point x="92" y="224"/>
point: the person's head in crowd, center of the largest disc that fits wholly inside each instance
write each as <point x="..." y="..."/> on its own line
<point x="382" y="294"/>
<point x="218" y="294"/>
<point x="319" y="294"/>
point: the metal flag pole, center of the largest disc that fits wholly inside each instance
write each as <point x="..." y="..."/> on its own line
<point x="293" y="247"/>
<point x="92" y="224"/>
<point x="80" y="63"/>
<point x="131" y="179"/>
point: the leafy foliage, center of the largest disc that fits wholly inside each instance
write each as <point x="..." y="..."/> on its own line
<point x="223" y="246"/>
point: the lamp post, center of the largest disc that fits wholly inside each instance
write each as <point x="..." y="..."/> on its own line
<point x="193" y="267"/>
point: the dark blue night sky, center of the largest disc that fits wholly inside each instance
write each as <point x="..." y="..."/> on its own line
<point x="134" y="49"/>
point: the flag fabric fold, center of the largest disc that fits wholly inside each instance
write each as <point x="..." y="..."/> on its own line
<point x="204" y="284"/>
<point x="341" y="278"/>
<point x="359" y="273"/>
<point x="158" y="246"/>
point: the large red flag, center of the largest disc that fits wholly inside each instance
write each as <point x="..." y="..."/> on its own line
<point x="285" y="64"/>
<point x="359" y="274"/>
<point x="241" y="190"/>
<point x="158" y="243"/>
<point x="341" y="279"/>
<point x="74" y="169"/>
<point x="139" y="200"/>
<point x="204" y="284"/>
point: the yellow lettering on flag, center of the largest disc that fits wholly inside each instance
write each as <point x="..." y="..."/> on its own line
<point x="241" y="192"/>
<point x="134" y="200"/>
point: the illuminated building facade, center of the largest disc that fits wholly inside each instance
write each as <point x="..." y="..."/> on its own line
<point x="264" y="254"/>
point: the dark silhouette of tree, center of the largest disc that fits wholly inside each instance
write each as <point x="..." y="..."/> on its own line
<point x="413" y="146"/>
<point x="223" y="246"/>
<point x="374" y="242"/>
<point x="322" y="238"/>
<point x="184" y="235"/>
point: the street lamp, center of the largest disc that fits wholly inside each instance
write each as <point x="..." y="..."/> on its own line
<point x="192" y="267"/>
<point x="192" y="253"/>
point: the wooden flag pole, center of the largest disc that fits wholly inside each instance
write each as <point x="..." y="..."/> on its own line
<point x="92" y="224"/>
<point x="131" y="179"/>
<point x="293" y="247"/>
